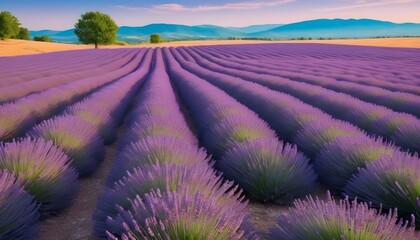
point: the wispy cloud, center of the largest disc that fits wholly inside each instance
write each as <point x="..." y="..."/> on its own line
<point x="174" y="7"/>
<point x="132" y="8"/>
<point x="366" y="4"/>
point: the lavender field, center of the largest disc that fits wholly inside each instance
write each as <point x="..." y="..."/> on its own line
<point x="189" y="141"/>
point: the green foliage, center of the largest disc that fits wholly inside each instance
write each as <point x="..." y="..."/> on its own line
<point x="121" y="43"/>
<point x="42" y="39"/>
<point x="23" y="34"/>
<point x="9" y="25"/>
<point x="155" y="38"/>
<point x="96" y="28"/>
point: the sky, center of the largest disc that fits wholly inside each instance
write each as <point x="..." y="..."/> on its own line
<point x="60" y="15"/>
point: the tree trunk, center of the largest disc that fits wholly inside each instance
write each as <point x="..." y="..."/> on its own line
<point x="96" y="45"/>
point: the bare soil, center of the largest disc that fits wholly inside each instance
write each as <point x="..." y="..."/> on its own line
<point x="75" y="222"/>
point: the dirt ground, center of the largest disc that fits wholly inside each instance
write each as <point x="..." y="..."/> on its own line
<point x="75" y="222"/>
<point x="21" y="47"/>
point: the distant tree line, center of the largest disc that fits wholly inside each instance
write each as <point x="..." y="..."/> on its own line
<point x="92" y="28"/>
<point x="42" y="39"/>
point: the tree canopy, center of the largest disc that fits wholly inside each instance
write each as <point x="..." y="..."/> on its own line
<point x="9" y="25"/>
<point x="96" y="28"/>
<point x="23" y="34"/>
<point x="42" y="39"/>
<point x="155" y="38"/>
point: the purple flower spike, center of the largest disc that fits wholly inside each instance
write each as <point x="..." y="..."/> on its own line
<point x="232" y="130"/>
<point x="408" y="136"/>
<point x="100" y="118"/>
<point x="268" y="170"/>
<point x="390" y="182"/>
<point x="147" y="126"/>
<point x="169" y="177"/>
<point x="290" y="120"/>
<point x="387" y="125"/>
<point x="79" y="140"/>
<point x="153" y="150"/>
<point x="314" y="219"/>
<point x="44" y="171"/>
<point x="365" y="117"/>
<point x="14" y="120"/>
<point x="316" y="134"/>
<point x="18" y="210"/>
<point x="217" y="113"/>
<point x="178" y="215"/>
<point x="340" y="159"/>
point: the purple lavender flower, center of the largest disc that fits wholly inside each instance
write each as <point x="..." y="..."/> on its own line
<point x="318" y="219"/>
<point x="234" y="129"/>
<point x="13" y="121"/>
<point x="365" y="117"/>
<point x="408" y="136"/>
<point x="316" y="134"/>
<point x="97" y="117"/>
<point x="18" y="210"/>
<point x="340" y="159"/>
<point x="389" y="124"/>
<point x="178" y="215"/>
<point x="391" y="182"/>
<point x="79" y="140"/>
<point x="44" y="171"/>
<point x="153" y="150"/>
<point x="169" y="177"/>
<point x="268" y="170"/>
<point x="147" y="126"/>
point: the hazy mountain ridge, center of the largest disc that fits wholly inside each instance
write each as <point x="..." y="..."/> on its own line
<point x="339" y="28"/>
<point x="319" y="28"/>
<point x="255" y="28"/>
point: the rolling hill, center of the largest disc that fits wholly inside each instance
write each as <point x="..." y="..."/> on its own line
<point x="340" y="28"/>
<point x="320" y="28"/>
<point x="255" y="28"/>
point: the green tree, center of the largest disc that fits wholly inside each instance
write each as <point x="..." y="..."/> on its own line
<point x="96" y="28"/>
<point x="42" y="39"/>
<point x="9" y="25"/>
<point x="155" y="38"/>
<point x="23" y="34"/>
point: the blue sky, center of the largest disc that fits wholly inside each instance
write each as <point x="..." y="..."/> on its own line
<point x="49" y="14"/>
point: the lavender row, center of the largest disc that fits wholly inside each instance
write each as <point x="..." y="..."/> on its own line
<point x="343" y="57"/>
<point x="357" y="70"/>
<point x="247" y="150"/>
<point x="19" y="213"/>
<point x="313" y="219"/>
<point x="84" y="127"/>
<point x="65" y="147"/>
<point x="399" y="127"/>
<point x="398" y="101"/>
<point x="17" y="117"/>
<point x="64" y="64"/>
<point x="19" y="90"/>
<point x="315" y="132"/>
<point x="161" y="184"/>
<point x="8" y="65"/>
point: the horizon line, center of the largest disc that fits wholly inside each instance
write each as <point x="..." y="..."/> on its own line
<point x="46" y="29"/>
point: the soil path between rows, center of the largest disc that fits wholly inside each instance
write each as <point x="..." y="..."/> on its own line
<point x="75" y="222"/>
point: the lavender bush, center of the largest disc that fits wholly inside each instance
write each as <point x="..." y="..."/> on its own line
<point x="44" y="171"/>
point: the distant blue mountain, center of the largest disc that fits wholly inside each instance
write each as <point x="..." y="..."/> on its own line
<point x="340" y="28"/>
<point x="176" y="31"/>
<point x="320" y="28"/>
<point x="66" y="36"/>
<point x="255" y="28"/>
